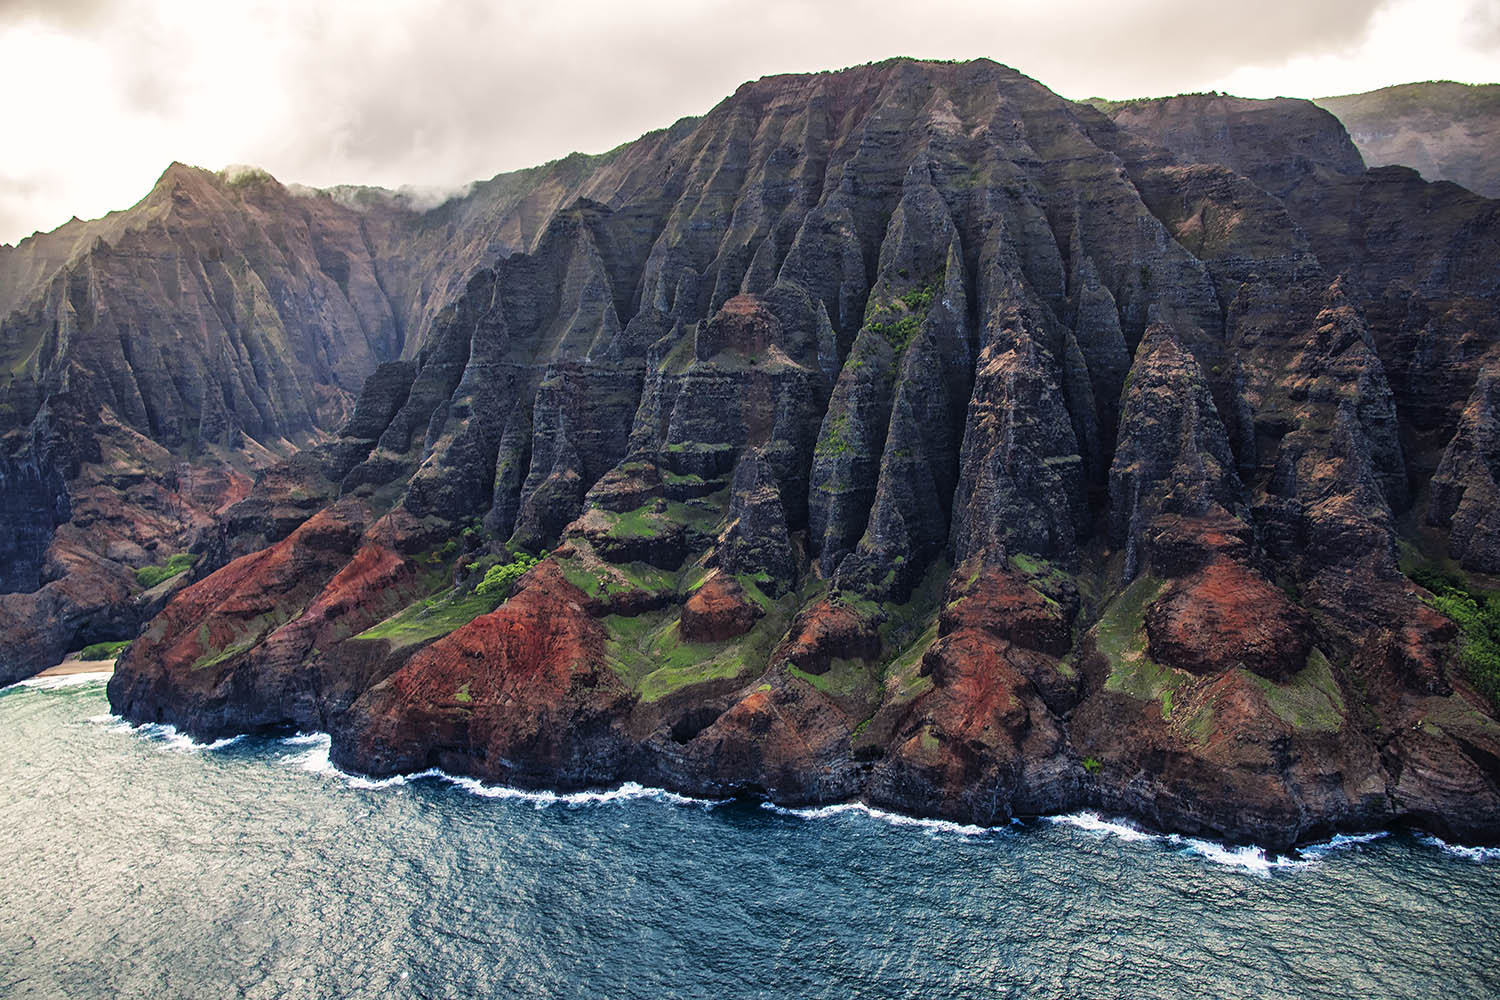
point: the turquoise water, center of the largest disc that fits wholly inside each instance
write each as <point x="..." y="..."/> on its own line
<point x="138" y="864"/>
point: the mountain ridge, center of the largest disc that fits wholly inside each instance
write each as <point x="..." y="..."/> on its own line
<point x="905" y="433"/>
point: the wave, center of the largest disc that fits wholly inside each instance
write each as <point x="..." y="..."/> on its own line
<point x="1093" y="823"/>
<point x="170" y="736"/>
<point x="1480" y="854"/>
<point x="55" y="681"/>
<point x="315" y="759"/>
<point x="894" y="819"/>
<point x="1247" y="857"/>
<point x="1341" y="841"/>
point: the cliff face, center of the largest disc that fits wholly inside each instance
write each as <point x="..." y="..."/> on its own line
<point x="906" y="433"/>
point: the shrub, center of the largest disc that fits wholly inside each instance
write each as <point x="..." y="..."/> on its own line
<point x="150" y="576"/>
<point x="1477" y="616"/>
<point x="498" y="580"/>
<point x="103" y="650"/>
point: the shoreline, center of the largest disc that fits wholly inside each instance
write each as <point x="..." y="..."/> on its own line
<point x="311" y="754"/>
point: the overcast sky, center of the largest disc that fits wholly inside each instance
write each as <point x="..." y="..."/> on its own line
<point x="100" y="96"/>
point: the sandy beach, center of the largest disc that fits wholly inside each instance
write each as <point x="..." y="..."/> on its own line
<point x="71" y="666"/>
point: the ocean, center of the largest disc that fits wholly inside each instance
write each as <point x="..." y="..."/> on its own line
<point x="137" y="863"/>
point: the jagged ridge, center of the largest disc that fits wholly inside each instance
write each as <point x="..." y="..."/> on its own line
<point x="944" y="405"/>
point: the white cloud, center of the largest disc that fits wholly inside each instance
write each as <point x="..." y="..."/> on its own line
<point x="1407" y="41"/>
<point x="436" y="93"/>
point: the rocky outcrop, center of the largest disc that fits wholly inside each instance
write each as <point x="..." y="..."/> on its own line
<point x="1173" y="456"/>
<point x="717" y="611"/>
<point x="906" y="433"/>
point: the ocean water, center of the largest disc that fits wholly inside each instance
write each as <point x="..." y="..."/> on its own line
<point x="135" y="863"/>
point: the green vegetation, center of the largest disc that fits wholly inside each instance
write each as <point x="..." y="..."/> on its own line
<point x="499" y="580"/>
<point x="1120" y="637"/>
<point x="900" y="320"/>
<point x="1308" y="701"/>
<point x="432" y="617"/>
<point x="650" y="654"/>
<point x="647" y="521"/>
<point x="244" y="637"/>
<point x="462" y="695"/>
<point x="103" y="650"/>
<point x="1092" y="765"/>
<point x="228" y="652"/>
<point x="843" y="679"/>
<point x="150" y="576"/>
<point x="1477" y="615"/>
<point x="833" y="441"/>
<point x="1200" y="725"/>
<point x="608" y="579"/>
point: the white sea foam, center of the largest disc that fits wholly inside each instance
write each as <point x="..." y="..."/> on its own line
<point x="56" y="681"/>
<point x="628" y="792"/>
<point x="1341" y="841"/>
<point x="894" y="819"/>
<point x="169" y="736"/>
<point x="1248" y="857"/>
<point x="1480" y="854"/>
<point x="315" y="759"/>
<point x="1093" y="823"/>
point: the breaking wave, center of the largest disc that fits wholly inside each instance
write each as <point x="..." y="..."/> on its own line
<point x="169" y="736"/>
<point x="1480" y="854"/>
<point x="310" y="752"/>
<point x="315" y="759"/>
<point x="894" y="819"/>
<point x="1247" y="857"/>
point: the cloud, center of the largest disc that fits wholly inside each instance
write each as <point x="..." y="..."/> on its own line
<point x="436" y="93"/>
<point x="69" y="12"/>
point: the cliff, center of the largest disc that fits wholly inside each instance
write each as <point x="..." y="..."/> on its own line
<point x="905" y="433"/>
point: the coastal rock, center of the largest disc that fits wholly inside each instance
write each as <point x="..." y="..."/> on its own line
<point x="907" y="433"/>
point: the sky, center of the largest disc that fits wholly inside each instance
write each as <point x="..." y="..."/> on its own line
<point x="100" y="96"/>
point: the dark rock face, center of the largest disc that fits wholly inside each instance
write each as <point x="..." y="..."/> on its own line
<point x="1466" y="488"/>
<point x="1173" y="455"/>
<point x="907" y="433"/>
<point x="33" y="502"/>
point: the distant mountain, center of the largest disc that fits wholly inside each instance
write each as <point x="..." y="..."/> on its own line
<point x="906" y="433"/>
<point x="1446" y="131"/>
